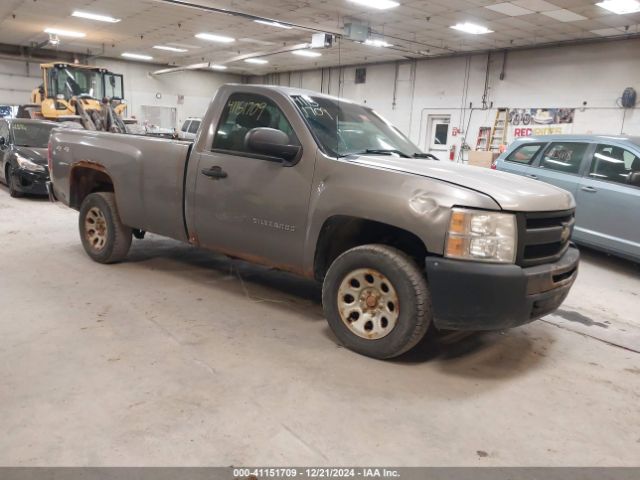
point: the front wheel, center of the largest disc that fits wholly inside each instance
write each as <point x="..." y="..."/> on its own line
<point x="104" y="237"/>
<point x="377" y="301"/>
<point x="11" y="183"/>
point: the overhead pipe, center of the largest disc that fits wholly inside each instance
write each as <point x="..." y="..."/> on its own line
<point x="238" y="58"/>
<point x="237" y="13"/>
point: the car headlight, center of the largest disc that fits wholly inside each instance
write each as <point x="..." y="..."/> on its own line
<point x="482" y="236"/>
<point x="28" y="165"/>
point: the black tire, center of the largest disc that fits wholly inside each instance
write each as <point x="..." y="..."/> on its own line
<point x="409" y="286"/>
<point x="110" y="240"/>
<point x="10" y="183"/>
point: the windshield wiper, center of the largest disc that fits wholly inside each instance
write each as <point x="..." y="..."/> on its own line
<point x="425" y="155"/>
<point x="378" y="151"/>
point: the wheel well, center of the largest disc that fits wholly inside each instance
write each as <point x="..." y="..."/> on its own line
<point x="340" y="233"/>
<point x="87" y="180"/>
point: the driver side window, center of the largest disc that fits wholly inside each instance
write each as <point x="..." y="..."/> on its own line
<point x="244" y="112"/>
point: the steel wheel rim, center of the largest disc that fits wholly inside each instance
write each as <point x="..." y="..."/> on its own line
<point x="368" y="304"/>
<point x="95" y="228"/>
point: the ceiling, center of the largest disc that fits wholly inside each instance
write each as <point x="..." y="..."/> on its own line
<point x="417" y="28"/>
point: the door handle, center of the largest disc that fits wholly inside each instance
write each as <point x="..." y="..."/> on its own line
<point x="531" y="175"/>
<point x="215" y="172"/>
<point x="589" y="189"/>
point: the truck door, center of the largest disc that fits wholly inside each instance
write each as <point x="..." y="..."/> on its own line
<point x="608" y="201"/>
<point x="246" y="205"/>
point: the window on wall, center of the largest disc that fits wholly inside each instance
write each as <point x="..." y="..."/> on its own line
<point x="614" y="164"/>
<point x="439" y="133"/>
<point x="361" y="75"/>
<point x="564" y="157"/>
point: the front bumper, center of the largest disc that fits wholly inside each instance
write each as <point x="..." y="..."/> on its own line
<point x="477" y="296"/>
<point x="34" y="183"/>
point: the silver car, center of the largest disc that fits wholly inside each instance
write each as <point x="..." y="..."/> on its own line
<point x="603" y="174"/>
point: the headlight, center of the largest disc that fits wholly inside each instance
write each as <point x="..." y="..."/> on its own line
<point x="29" y="165"/>
<point x="482" y="236"/>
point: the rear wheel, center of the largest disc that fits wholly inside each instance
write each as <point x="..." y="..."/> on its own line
<point x="104" y="237"/>
<point x="11" y="183"/>
<point x="377" y="301"/>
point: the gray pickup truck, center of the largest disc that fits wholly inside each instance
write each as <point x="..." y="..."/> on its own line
<point x="327" y="189"/>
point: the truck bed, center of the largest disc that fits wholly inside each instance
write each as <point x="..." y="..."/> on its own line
<point x="150" y="196"/>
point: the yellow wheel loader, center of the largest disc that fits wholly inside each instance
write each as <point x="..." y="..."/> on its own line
<point x="89" y="95"/>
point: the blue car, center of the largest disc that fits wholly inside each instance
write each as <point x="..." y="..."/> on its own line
<point x="603" y="174"/>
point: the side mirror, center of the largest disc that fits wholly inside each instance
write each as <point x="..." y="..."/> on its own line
<point x="634" y="179"/>
<point x="272" y="143"/>
<point x="3" y="141"/>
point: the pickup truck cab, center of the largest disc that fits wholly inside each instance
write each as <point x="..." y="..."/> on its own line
<point x="327" y="189"/>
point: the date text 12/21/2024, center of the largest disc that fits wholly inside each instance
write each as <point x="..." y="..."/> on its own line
<point x="315" y="472"/>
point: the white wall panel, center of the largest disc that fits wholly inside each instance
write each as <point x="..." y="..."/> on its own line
<point x="553" y="77"/>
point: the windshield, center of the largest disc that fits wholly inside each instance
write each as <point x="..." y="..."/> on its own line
<point x="71" y="82"/>
<point x="344" y="128"/>
<point x="34" y="135"/>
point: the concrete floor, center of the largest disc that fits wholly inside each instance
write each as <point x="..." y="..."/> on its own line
<point x="181" y="357"/>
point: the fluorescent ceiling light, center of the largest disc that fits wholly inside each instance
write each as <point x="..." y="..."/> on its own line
<point x="274" y="24"/>
<point x="376" y="42"/>
<point x="219" y="67"/>
<point x="137" y="56"/>
<point x="471" y="28"/>
<point x="620" y="7"/>
<point x="379" y="4"/>
<point x="306" y="53"/>
<point x="509" y="9"/>
<point x="170" y="49"/>
<point x="607" y="158"/>
<point x="535" y="5"/>
<point x="564" y="15"/>
<point x="64" y="33"/>
<point x="257" y="61"/>
<point x="564" y="164"/>
<point x="95" y="16"/>
<point x="215" y="38"/>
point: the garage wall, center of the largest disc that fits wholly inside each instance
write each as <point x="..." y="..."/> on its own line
<point x="141" y="88"/>
<point x="539" y="78"/>
<point x="18" y="78"/>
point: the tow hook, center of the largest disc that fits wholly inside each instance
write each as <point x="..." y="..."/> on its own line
<point x="139" y="234"/>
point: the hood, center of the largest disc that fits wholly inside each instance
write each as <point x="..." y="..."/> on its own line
<point x="36" y="155"/>
<point x="511" y="192"/>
